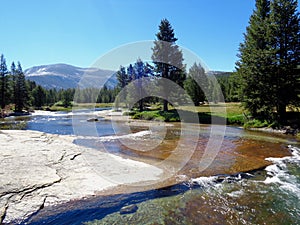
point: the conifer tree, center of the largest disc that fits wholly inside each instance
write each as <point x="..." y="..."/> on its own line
<point x="39" y="96"/>
<point x="141" y="71"/>
<point x="285" y="40"/>
<point x="123" y="80"/>
<point x="67" y="96"/>
<point x="269" y="58"/>
<point x="21" y="93"/>
<point x="13" y="72"/>
<point x="167" y="57"/>
<point x="195" y="77"/>
<point x="254" y="66"/>
<point x="128" y="93"/>
<point x="3" y="82"/>
<point x="122" y="77"/>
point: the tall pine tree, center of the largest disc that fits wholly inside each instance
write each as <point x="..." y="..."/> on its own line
<point x="39" y="96"/>
<point x="254" y="66"/>
<point x="21" y="93"/>
<point x="122" y="77"/>
<point x="168" y="58"/>
<point x="285" y="40"/>
<point x="195" y="77"/>
<point x="13" y="73"/>
<point x="141" y="70"/>
<point x="268" y="59"/>
<point x="3" y="82"/>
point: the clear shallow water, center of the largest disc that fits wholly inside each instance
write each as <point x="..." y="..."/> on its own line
<point x="267" y="196"/>
<point x="270" y="196"/>
<point x="62" y="123"/>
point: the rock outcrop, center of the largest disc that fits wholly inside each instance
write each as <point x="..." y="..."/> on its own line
<point x="39" y="170"/>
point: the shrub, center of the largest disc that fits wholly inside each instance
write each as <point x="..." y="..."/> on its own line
<point x="129" y="113"/>
<point x="170" y="116"/>
<point x="256" y="124"/>
<point x="236" y="120"/>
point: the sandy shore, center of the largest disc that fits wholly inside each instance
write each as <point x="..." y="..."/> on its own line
<point x="39" y="169"/>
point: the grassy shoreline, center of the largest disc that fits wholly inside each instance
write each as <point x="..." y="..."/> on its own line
<point x="223" y="114"/>
<point x="58" y="107"/>
<point x="228" y="113"/>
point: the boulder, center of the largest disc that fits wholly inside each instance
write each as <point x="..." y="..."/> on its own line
<point x="92" y="119"/>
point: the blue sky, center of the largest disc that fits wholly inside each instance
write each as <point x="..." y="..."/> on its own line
<point x="77" y="32"/>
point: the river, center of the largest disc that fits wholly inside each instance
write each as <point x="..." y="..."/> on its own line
<point x="253" y="179"/>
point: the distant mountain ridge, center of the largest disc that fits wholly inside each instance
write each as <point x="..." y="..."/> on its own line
<point x="218" y="73"/>
<point x="64" y="76"/>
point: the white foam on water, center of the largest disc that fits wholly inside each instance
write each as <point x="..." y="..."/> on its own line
<point x="205" y="181"/>
<point x="270" y="180"/>
<point x="47" y="113"/>
<point x="74" y="113"/>
<point x="278" y="172"/>
<point x="83" y="113"/>
<point x="274" y="169"/>
<point x="236" y="194"/>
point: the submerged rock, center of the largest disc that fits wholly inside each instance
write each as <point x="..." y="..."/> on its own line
<point x="291" y="130"/>
<point x="128" y="209"/>
<point x="221" y="178"/>
<point x="92" y="119"/>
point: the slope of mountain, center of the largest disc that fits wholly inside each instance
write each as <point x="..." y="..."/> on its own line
<point x="63" y="76"/>
<point x="218" y="74"/>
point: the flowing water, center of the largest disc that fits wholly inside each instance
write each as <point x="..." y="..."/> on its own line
<point x="269" y="196"/>
<point x="254" y="178"/>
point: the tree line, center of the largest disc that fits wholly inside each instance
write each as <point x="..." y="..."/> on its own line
<point x="94" y="95"/>
<point x="269" y="60"/>
<point x="207" y="92"/>
<point x="167" y="62"/>
<point x="266" y="80"/>
<point x="267" y="76"/>
<point x="18" y="94"/>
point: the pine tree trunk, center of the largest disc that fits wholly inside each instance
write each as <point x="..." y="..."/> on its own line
<point x="281" y="110"/>
<point x="165" y="75"/>
<point x="165" y="105"/>
<point x="2" y="92"/>
<point x="141" y="105"/>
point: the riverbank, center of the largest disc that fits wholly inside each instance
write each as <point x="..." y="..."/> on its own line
<point x="38" y="170"/>
<point x="284" y="131"/>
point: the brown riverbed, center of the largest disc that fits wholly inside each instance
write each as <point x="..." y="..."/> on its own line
<point x="240" y="151"/>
